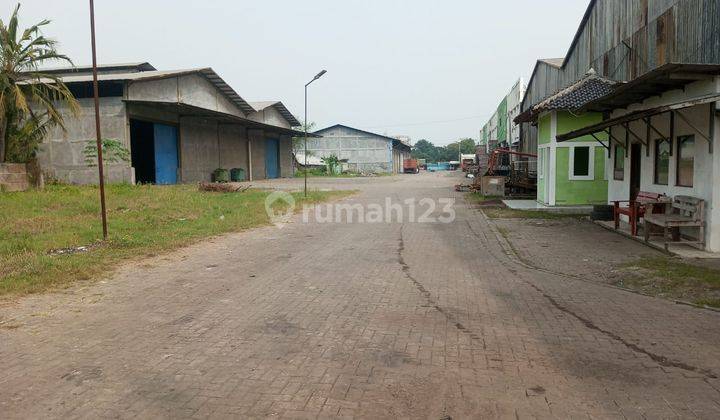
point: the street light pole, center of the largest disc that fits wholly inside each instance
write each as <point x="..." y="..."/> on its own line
<point x="98" y="140"/>
<point x="305" y="124"/>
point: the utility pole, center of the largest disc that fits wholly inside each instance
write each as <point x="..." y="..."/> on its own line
<point x="98" y="140"/>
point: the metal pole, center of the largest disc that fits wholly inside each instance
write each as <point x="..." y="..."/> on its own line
<point x="317" y="76"/>
<point x="98" y="140"/>
<point x="305" y="124"/>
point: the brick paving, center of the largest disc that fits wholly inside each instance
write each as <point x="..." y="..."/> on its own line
<point x="414" y="320"/>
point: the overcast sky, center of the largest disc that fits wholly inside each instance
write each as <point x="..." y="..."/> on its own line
<point x="423" y="68"/>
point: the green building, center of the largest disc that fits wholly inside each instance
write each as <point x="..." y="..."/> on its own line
<point x="573" y="172"/>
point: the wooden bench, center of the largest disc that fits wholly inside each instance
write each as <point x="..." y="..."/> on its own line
<point x="685" y="212"/>
<point x="636" y="208"/>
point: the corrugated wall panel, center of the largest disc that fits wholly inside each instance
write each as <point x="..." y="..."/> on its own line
<point x="657" y="31"/>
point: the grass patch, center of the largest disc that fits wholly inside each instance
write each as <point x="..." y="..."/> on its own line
<point x="142" y="221"/>
<point x="506" y="213"/>
<point x="673" y="278"/>
<point x="478" y="198"/>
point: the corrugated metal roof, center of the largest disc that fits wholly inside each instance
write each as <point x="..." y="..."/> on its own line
<point x="662" y="79"/>
<point x="638" y="115"/>
<point x="280" y="107"/>
<point x="137" y="66"/>
<point x="196" y="111"/>
<point x="556" y="62"/>
<point x="206" y="72"/>
<point x="356" y="129"/>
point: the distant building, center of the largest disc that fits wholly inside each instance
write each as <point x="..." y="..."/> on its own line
<point x="363" y="150"/>
<point x="405" y="139"/>
<point x="500" y="130"/>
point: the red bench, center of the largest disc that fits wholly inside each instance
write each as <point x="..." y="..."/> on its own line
<point x="636" y="208"/>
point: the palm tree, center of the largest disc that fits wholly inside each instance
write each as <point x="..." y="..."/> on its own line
<point x="29" y="98"/>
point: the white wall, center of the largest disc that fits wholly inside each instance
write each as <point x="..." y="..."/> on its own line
<point x="514" y="99"/>
<point x="707" y="166"/>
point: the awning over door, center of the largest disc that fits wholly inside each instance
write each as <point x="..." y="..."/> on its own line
<point x="638" y="115"/>
<point x="185" y="110"/>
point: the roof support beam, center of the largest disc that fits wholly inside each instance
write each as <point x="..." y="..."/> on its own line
<point x="609" y="133"/>
<point x="690" y="76"/>
<point x="648" y="121"/>
<point x="713" y="112"/>
<point x="647" y="138"/>
<point x="697" y="130"/>
<point x="607" y="146"/>
<point x="672" y="131"/>
<point x="638" y="115"/>
<point x="629" y="130"/>
<point x="627" y="143"/>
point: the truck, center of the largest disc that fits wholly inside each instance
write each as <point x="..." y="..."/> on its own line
<point x="468" y="162"/>
<point x="410" y="166"/>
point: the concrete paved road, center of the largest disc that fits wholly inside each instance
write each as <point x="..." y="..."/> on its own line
<point x="415" y="320"/>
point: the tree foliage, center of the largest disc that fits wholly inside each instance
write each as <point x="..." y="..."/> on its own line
<point x="299" y="142"/>
<point x="113" y="152"/>
<point x="424" y="149"/>
<point x="30" y="100"/>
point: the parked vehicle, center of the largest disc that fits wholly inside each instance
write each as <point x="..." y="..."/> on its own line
<point x="439" y="166"/>
<point x="410" y="166"/>
<point x="467" y="162"/>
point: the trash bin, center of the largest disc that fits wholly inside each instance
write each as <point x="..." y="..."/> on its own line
<point x="221" y="175"/>
<point x="237" y="174"/>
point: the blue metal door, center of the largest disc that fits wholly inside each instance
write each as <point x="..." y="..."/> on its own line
<point x="272" y="158"/>
<point x="166" y="154"/>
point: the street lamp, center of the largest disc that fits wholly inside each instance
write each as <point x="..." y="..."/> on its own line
<point x="305" y="124"/>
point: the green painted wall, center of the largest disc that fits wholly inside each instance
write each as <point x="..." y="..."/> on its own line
<point x="567" y="122"/>
<point x="541" y="189"/>
<point x="569" y="192"/>
<point x="502" y="121"/>
<point x="544" y="129"/>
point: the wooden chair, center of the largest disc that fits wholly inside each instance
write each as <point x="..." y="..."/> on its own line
<point x="685" y="212"/>
<point x="636" y="208"/>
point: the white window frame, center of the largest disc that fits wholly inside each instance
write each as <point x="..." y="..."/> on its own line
<point x="591" y="164"/>
<point x="541" y="163"/>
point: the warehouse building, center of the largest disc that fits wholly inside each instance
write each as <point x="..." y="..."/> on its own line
<point x="362" y="150"/>
<point x="180" y="126"/>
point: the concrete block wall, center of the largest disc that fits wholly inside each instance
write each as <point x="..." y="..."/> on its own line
<point x="257" y="139"/>
<point x="14" y="177"/>
<point x="364" y="152"/>
<point x="192" y="89"/>
<point x="233" y="147"/>
<point x="270" y="116"/>
<point x="199" y="149"/>
<point x="204" y="145"/>
<point x="286" y="157"/>
<point x="61" y="154"/>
